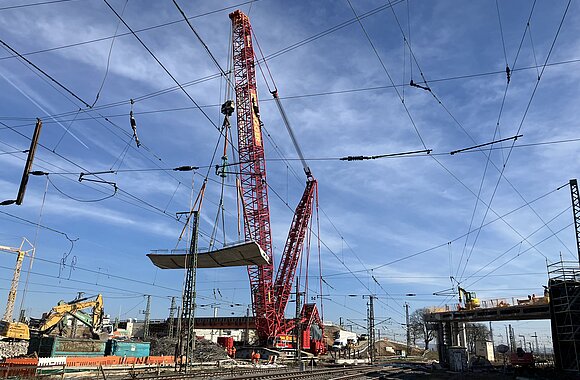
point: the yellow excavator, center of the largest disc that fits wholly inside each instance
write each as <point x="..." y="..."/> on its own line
<point x="58" y="314"/>
<point x="471" y="300"/>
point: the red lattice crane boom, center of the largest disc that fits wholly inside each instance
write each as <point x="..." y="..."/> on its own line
<point x="269" y="298"/>
<point x="253" y="173"/>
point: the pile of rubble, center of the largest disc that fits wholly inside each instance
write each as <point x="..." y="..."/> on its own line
<point x="205" y="350"/>
<point x="208" y="351"/>
<point x="13" y="349"/>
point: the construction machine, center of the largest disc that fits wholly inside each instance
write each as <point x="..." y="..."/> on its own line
<point x="270" y="290"/>
<point x="471" y="300"/>
<point x="9" y="329"/>
<point x="56" y="317"/>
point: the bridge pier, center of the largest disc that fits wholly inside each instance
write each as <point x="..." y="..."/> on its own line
<point x="449" y="334"/>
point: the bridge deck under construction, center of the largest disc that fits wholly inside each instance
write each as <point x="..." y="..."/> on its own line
<point x="239" y="254"/>
<point x="507" y="313"/>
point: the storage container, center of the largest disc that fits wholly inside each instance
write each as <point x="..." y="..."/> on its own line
<point x="59" y="346"/>
<point x="127" y="348"/>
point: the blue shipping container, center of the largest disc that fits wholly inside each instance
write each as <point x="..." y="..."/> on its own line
<point x="127" y="348"/>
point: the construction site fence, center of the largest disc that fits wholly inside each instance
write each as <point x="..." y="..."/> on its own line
<point x="26" y="367"/>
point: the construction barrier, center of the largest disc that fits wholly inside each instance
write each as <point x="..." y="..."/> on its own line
<point x="29" y="367"/>
<point x="17" y="370"/>
<point x="51" y="362"/>
<point x="96" y="361"/>
<point x="20" y="361"/>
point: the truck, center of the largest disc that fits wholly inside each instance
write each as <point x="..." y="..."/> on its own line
<point x="343" y="338"/>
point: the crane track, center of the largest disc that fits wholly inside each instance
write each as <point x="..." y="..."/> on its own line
<point x="270" y="374"/>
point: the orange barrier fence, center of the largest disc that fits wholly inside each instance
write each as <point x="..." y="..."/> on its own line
<point x="17" y="370"/>
<point x="19" y="361"/>
<point x="116" y="360"/>
<point x="30" y="364"/>
<point x="96" y="361"/>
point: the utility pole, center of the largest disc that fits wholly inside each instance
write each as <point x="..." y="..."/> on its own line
<point x="576" y="211"/>
<point x="187" y="337"/>
<point x="147" y="315"/>
<point x="535" y="336"/>
<point x="523" y="336"/>
<point x="408" y="330"/>
<point x="27" y="167"/>
<point x="74" y="321"/>
<point x="248" y="325"/>
<point x="172" y="309"/>
<point x="298" y="320"/>
<point x="512" y="336"/>
<point x="507" y="338"/>
<point x="371" y="327"/>
<point x="491" y="337"/>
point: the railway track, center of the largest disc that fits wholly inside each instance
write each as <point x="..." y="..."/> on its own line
<point x="272" y="374"/>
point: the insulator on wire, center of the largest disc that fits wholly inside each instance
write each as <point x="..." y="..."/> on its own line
<point x="134" y="125"/>
<point x="228" y="108"/>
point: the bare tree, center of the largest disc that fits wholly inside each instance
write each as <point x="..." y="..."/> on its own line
<point x="418" y="326"/>
<point x="476" y="332"/>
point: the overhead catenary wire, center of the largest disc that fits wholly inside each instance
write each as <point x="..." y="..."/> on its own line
<point x="496" y="131"/>
<point x="433" y="248"/>
<point x="34" y="4"/>
<point x="109" y="57"/>
<point x="439" y="101"/>
<point x="388" y="74"/>
<point x="488" y="156"/>
<point x="217" y="75"/>
<point x="524" y="116"/>
<point x="45" y="74"/>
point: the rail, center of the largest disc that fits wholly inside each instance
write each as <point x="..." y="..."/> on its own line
<point x="273" y="373"/>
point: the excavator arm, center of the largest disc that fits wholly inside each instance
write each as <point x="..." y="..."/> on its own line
<point x="74" y="309"/>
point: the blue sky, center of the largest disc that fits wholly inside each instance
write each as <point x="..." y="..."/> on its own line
<point x="340" y="102"/>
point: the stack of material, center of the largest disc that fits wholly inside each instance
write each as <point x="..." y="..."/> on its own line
<point x="13" y="349"/>
<point x="205" y="350"/>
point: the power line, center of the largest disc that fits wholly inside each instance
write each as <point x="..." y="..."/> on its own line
<point x="128" y="33"/>
<point x="520" y="126"/>
<point x="387" y="73"/>
<point x="34" y="4"/>
<point x="44" y="73"/>
<point x="406" y="257"/>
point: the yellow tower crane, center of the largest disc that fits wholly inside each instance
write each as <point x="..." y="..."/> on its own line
<point x="8" y="328"/>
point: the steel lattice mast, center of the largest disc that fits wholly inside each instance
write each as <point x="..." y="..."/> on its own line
<point x="253" y="174"/>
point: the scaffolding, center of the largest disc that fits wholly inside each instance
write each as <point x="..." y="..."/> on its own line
<point x="564" y="289"/>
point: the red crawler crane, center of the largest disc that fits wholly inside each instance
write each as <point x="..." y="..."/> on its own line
<point x="269" y="298"/>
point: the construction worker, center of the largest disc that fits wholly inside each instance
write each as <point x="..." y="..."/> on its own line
<point x="256" y="357"/>
<point x="233" y="353"/>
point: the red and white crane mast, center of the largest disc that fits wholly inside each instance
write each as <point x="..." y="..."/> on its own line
<point x="269" y="297"/>
<point x="253" y="173"/>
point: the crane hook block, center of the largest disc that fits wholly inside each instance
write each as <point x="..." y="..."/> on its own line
<point x="228" y="108"/>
